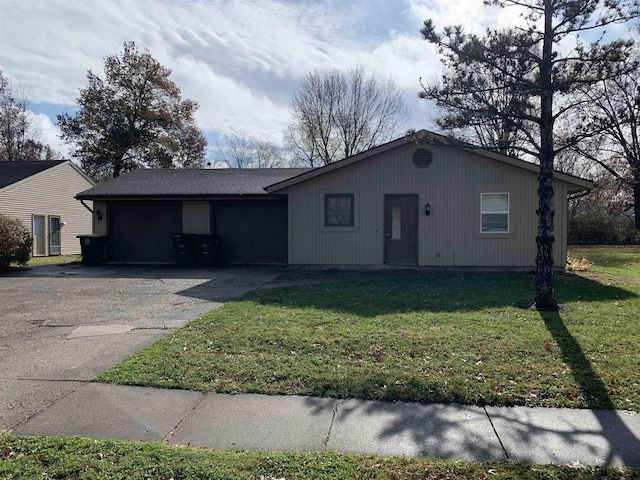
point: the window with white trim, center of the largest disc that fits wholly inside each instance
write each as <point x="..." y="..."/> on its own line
<point x="338" y="210"/>
<point x="494" y="213"/>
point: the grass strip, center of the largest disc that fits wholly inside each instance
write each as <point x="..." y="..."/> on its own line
<point x="54" y="260"/>
<point x="87" y="459"/>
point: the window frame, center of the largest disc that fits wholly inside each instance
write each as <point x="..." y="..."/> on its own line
<point x="507" y="212"/>
<point x="328" y="196"/>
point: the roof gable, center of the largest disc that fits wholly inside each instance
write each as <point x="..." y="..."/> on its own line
<point x="13" y="172"/>
<point x="421" y="139"/>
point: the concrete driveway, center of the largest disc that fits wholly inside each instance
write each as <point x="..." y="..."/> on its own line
<point x="62" y="325"/>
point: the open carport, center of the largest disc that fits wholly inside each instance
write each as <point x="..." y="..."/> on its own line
<point x="63" y="325"/>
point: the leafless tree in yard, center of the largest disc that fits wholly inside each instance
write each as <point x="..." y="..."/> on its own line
<point x="613" y="106"/>
<point x="18" y="129"/>
<point x="336" y="116"/>
<point x="243" y="151"/>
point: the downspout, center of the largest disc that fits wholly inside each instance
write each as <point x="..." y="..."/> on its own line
<point x="86" y="206"/>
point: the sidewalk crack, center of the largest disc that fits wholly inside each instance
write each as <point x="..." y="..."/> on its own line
<point x="171" y="432"/>
<point x="504" y="449"/>
<point x="325" y="442"/>
<point x="48" y="406"/>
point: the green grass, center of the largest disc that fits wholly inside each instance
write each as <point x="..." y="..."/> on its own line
<point x="81" y="458"/>
<point x="425" y="337"/>
<point x="611" y="264"/>
<point x="56" y="260"/>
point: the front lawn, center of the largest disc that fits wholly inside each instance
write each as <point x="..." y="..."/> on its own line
<point x="428" y="337"/>
<point x="82" y="458"/>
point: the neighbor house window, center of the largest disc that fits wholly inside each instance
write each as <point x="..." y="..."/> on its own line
<point x="494" y="213"/>
<point x="338" y="210"/>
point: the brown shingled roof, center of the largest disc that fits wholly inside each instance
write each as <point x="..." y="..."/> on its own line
<point x="158" y="183"/>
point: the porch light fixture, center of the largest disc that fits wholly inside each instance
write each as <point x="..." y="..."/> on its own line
<point x="427" y="209"/>
<point x="99" y="215"/>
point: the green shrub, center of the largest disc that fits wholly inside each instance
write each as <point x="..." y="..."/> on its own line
<point x="15" y="242"/>
<point x="599" y="228"/>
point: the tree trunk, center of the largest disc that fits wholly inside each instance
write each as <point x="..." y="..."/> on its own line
<point x="545" y="292"/>
<point x="117" y="168"/>
<point x="636" y="199"/>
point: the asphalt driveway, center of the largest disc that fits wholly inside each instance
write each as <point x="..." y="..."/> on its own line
<point x="62" y="325"/>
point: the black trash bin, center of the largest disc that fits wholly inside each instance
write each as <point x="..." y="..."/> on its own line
<point x="93" y="249"/>
<point x="183" y="248"/>
<point x="206" y="249"/>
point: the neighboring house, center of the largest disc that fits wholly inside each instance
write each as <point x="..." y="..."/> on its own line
<point x="429" y="203"/>
<point x="41" y="195"/>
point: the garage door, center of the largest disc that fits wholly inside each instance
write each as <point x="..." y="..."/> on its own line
<point x="141" y="231"/>
<point x="251" y="231"/>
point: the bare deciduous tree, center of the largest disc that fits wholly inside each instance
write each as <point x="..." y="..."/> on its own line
<point x="613" y="106"/>
<point x="336" y="116"/>
<point x="18" y="130"/>
<point x="243" y="151"/>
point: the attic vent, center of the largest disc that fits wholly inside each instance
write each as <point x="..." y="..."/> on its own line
<point x="422" y="158"/>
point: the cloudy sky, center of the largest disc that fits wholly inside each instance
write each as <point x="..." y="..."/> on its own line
<point x="241" y="60"/>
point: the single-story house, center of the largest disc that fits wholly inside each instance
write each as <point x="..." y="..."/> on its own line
<point x="41" y="195"/>
<point x="433" y="202"/>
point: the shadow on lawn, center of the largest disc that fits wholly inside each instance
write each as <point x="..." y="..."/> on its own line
<point x="434" y="292"/>
<point x="595" y="393"/>
<point x="600" y="436"/>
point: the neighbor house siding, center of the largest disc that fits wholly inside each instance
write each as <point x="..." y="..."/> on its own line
<point x="450" y="236"/>
<point x="51" y="193"/>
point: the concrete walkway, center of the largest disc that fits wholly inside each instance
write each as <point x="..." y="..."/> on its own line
<point x="292" y="423"/>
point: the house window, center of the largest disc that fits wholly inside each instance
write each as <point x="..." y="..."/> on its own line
<point x="338" y="210"/>
<point x="494" y="213"/>
<point x="396" y="222"/>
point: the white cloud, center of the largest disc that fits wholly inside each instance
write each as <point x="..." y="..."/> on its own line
<point x="241" y="60"/>
<point x="44" y="131"/>
<point x="228" y="106"/>
<point x="228" y="56"/>
<point x="468" y="13"/>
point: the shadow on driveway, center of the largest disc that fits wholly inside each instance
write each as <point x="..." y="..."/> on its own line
<point x="137" y="271"/>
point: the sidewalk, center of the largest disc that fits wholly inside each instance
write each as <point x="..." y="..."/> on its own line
<point x="292" y="423"/>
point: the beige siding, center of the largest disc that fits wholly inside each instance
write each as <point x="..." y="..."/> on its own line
<point x="450" y="236"/>
<point x="50" y="193"/>
<point x="196" y="218"/>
